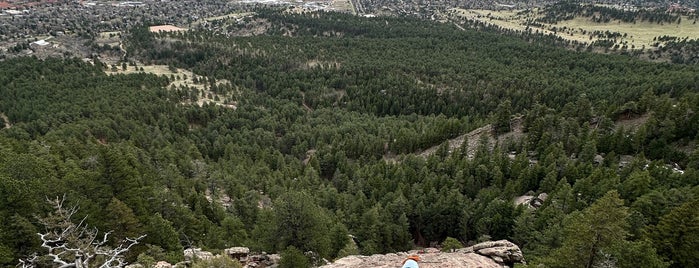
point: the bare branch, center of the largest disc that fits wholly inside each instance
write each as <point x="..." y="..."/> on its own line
<point x="115" y="255"/>
<point x="76" y="245"/>
<point x="28" y="263"/>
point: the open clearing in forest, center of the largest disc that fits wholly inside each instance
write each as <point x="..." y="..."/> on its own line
<point x="165" y="28"/>
<point x="186" y="78"/>
<point x="342" y="5"/>
<point x="224" y="17"/>
<point x="108" y="38"/>
<point x="632" y="123"/>
<point x="638" y="34"/>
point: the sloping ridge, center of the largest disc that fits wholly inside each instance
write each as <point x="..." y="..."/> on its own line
<point x="491" y="254"/>
<point x="474" y="138"/>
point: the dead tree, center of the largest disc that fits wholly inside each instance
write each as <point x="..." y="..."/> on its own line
<point x="72" y="245"/>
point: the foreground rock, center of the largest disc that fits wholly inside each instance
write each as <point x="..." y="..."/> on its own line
<point x="492" y="254"/>
<point x="501" y="251"/>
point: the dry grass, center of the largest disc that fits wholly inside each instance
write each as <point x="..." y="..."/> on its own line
<point x="342" y="5"/>
<point x="164" y="70"/>
<point x="109" y="38"/>
<point x="106" y="35"/>
<point x="335" y="5"/>
<point x="638" y="34"/>
<point x="225" y="17"/>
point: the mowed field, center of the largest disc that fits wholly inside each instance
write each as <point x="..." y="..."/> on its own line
<point x="579" y="29"/>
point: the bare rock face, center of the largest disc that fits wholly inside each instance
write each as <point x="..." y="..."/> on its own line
<point x="502" y="251"/>
<point x="494" y="254"/>
<point x="530" y="201"/>
<point x="162" y="264"/>
<point x="196" y="253"/>
<point x="237" y="250"/>
<point x="261" y="260"/>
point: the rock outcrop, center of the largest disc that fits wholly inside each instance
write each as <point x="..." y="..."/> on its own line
<point x="492" y="254"/>
<point x="162" y="264"/>
<point x="501" y="251"/>
<point x="197" y="254"/>
<point x="530" y="201"/>
<point x="262" y="260"/>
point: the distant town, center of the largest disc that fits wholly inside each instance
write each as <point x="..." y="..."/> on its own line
<point x="66" y="26"/>
<point x="83" y="28"/>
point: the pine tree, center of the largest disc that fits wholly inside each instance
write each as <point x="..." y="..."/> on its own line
<point x="161" y="233"/>
<point x="677" y="235"/>
<point x="292" y="257"/>
<point x="450" y="244"/>
<point x="121" y="220"/>
<point x="592" y="233"/>
<point x="502" y="117"/>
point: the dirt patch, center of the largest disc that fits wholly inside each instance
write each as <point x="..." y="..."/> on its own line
<point x="165" y="28"/>
<point x="309" y="154"/>
<point x="632" y="123"/>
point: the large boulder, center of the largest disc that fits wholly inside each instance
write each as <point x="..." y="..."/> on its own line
<point x="440" y="259"/>
<point x="237" y="250"/>
<point x="494" y="254"/>
<point x="530" y="201"/>
<point x="162" y="264"/>
<point x="238" y="253"/>
<point x="262" y="260"/>
<point x="197" y="254"/>
<point x="501" y="251"/>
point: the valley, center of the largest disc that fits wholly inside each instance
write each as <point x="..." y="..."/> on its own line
<point x="348" y="133"/>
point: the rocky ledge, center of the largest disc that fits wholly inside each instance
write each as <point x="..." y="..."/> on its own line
<point x="495" y="254"/>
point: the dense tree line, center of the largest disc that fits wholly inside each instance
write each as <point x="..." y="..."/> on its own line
<point x="322" y="145"/>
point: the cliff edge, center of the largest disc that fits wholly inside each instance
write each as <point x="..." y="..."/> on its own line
<point x="495" y="254"/>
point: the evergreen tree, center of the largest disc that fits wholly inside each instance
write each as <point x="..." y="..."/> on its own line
<point x="161" y="233"/>
<point x="450" y="244"/>
<point x="677" y="235"/>
<point x="503" y="114"/>
<point x="592" y="233"/>
<point x="297" y="221"/>
<point x="121" y="221"/>
<point x="292" y="257"/>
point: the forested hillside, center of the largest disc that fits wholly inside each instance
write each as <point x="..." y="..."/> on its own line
<point x="323" y="101"/>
